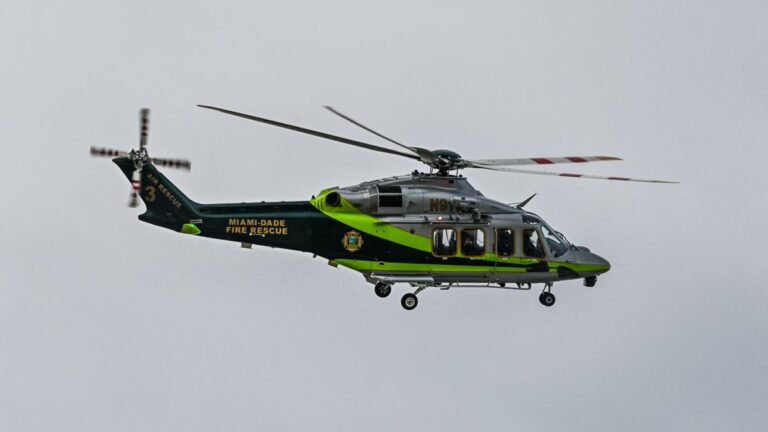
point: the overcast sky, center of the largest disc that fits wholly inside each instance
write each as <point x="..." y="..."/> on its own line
<point x="107" y="323"/>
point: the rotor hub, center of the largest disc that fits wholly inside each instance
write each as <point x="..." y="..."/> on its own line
<point x="139" y="157"/>
<point x="447" y="160"/>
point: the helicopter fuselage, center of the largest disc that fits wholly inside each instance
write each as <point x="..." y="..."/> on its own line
<point x="422" y="229"/>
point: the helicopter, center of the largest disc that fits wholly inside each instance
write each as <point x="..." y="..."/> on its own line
<point x="424" y="229"/>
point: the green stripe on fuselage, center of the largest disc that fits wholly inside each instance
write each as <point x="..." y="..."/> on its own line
<point x="580" y="268"/>
<point x="347" y="214"/>
<point x="362" y="265"/>
<point x="350" y="216"/>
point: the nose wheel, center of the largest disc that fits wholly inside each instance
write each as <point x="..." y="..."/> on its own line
<point x="382" y="289"/>
<point x="546" y="297"/>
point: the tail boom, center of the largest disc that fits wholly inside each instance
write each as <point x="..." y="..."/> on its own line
<point x="286" y="225"/>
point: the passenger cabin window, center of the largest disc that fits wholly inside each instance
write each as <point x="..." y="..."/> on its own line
<point x="532" y="244"/>
<point x="556" y="246"/>
<point x="390" y="196"/>
<point x="472" y="242"/>
<point x="505" y="242"/>
<point x="444" y="242"/>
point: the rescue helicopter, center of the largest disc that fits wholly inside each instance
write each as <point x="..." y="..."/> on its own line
<point x="423" y="229"/>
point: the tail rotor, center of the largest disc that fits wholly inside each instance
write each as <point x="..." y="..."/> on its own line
<point x="140" y="158"/>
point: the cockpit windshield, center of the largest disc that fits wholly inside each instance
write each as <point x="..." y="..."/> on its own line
<point x="556" y="241"/>
<point x="557" y="245"/>
<point x="568" y="242"/>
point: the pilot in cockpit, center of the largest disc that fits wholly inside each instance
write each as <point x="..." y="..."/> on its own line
<point x="532" y="247"/>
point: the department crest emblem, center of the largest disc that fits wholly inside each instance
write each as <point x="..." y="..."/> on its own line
<point x="352" y="241"/>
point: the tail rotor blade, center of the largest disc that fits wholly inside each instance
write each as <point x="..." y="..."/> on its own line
<point x="144" y="127"/>
<point x="106" y="152"/>
<point x="173" y="163"/>
<point x="133" y="202"/>
<point x="135" y="186"/>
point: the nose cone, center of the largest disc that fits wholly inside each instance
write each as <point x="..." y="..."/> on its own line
<point x="585" y="263"/>
<point x="599" y="264"/>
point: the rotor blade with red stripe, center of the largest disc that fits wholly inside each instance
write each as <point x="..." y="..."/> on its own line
<point x="558" y="174"/>
<point x="173" y="163"/>
<point x="97" y="151"/>
<point x="541" y="160"/>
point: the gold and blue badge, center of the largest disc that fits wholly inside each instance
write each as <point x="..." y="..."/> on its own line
<point x="352" y="241"/>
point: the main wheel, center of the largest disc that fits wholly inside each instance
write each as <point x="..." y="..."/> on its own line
<point x="547" y="299"/>
<point x="382" y="289"/>
<point x="409" y="301"/>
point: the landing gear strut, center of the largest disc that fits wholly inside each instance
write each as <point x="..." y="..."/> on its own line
<point x="382" y="289"/>
<point x="546" y="297"/>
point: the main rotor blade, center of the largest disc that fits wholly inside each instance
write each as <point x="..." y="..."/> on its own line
<point x="550" y="173"/>
<point x="314" y="132"/>
<point x="424" y="154"/>
<point x="542" y="161"/>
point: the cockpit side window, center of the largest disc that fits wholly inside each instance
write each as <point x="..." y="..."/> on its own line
<point x="472" y="242"/>
<point x="532" y="246"/>
<point x="505" y="242"/>
<point x="556" y="246"/>
<point x="444" y="242"/>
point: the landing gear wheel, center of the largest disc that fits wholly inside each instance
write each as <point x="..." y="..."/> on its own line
<point x="409" y="301"/>
<point x="547" y="299"/>
<point x="382" y="289"/>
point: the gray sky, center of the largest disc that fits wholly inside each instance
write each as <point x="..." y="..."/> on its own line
<point x="107" y="323"/>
